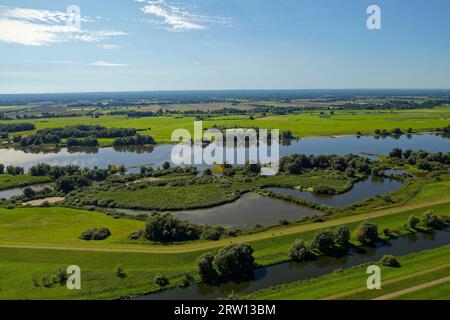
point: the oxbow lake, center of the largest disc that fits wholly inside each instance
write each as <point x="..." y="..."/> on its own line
<point x="253" y="209"/>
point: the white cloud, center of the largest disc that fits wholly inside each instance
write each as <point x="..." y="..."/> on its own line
<point x="102" y="63"/>
<point x="97" y="63"/>
<point x="109" y="46"/>
<point x="175" y="18"/>
<point x="32" y="27"/>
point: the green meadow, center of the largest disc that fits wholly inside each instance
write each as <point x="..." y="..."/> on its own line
<point x="9" y="181"/>
<point x="304" y="124"/>
<point x="60" y="227"/>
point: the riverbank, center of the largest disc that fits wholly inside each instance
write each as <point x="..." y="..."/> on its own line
<point x="349" y="284"/>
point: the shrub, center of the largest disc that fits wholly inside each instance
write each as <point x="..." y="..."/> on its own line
<point x="213" y="234"/>
<point x="166" y="165"/>
<point x="161" y="280"/>
<point x="61" y="276"/>
<point x="413" y="221"/>
<point x="284" y="222"/>
<point x="36" y="283"/>
<point x="324" y="240"/>
<point x="431" y="220"/>
<point x="95" y="234"/>
<point x="120" y="273"/>
<point x="167" y="228"/>
<point x="390" y="261"/>
<point x="235" y="261"/>
<point x="298" y="251"/>
<point x="342" y="235"/>
<point x="316" y="218"/>
<point x="29" y="193"/>
<point x="136" y="235"/>
<point x="205" y="268"/>
<point x="186" y="280"/>
<point x="46" y="281"/>
<point x="366" y="232"/>
<point x="396" y="153"/>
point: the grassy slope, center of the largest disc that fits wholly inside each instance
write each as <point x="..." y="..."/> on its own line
<point x="351" y="283"/>
<point x="8" y="181"/>
<point x="59" y="225"/>
<point x="438" y="292"/>
<point x="99" y="280"/>
<point x="305" y="124"/>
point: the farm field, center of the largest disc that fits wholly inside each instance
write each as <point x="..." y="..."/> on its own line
<point x="305" y="124"/>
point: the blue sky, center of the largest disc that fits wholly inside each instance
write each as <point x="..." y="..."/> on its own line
<point x="127" y="45"/>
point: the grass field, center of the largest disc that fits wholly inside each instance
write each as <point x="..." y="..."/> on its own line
<point x="219" y="191"/>
<point x="308" y="123"/>
<point x="438" y="292"/>
<point x="8" y="181"/>
<point x="60" y="225"/>
<point x="19" y="264"/>
<point x="416" y="268"/>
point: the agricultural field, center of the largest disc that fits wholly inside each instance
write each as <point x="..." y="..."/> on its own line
<point x="304" y="124"/>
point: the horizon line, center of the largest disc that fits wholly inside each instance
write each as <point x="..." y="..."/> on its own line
<point x="220" y="90"/>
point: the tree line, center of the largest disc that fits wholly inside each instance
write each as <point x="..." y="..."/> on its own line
<point x="297" y="163"/>
<point x="17" y="127"/>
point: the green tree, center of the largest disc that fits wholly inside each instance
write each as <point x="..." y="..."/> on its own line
<point x="29" y="193"/>
<point x="413" y="221"/>
<point x="366" y="232"/>
<point x="342" y="234"/>
<point x="298" y="251"/>
<point x="205" y="267"/>
<point x="324" y="240"/>
<point x="396" y="153"/>
<point x="166" y="165"/>
<point x="235" y="261"/>
<point x="431" y="220"/>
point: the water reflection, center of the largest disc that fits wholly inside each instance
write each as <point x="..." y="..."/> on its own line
<point x="137" y="156"/>
<point x="7" y="194"/>
<point x="246" y="212"/>
<point x="364" y="189"/>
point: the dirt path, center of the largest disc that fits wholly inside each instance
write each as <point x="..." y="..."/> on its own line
<point x="413" y="289"/>
<point x="205" y="245"/>
<point x="388" y="282"/>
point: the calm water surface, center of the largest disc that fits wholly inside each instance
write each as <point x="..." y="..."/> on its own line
<point x="19" y="191"/>
<point x="135" y="157"/>
<point x="360" y="191"/>
<point x="246" y="212"/>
